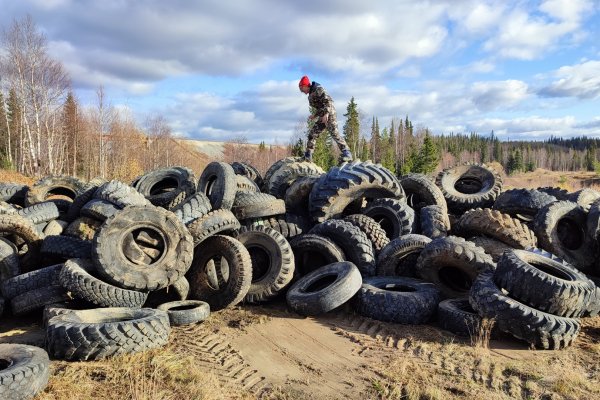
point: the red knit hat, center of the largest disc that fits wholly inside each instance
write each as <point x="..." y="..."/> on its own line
<point x="304" y="81"/>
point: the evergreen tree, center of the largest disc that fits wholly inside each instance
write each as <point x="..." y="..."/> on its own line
<point x="71" y="128"/>
<point x="263" y="147"/>
<point x="484" y="152"/>
<point x="428" y="156"/>
<point x="364" y="149"/>
<point x="590" y="158"/>
<point x="352" y="126"/>
<point x="297" y="149"/>
<point x="387" y="151"/>
<point x="323" y="155"/>
<point x="375" y="141"/>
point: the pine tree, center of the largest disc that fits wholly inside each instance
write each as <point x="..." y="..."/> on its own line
<point x="364" y="148"/>
<point x="323" y="155"/>
<point x="590" y="158"/>
<point x="297" y="149"/>
<point x="352" y="126"/>
<point x="428" y="156"/>
<point x="375" y="141"/>
<point x="387" y="151"/>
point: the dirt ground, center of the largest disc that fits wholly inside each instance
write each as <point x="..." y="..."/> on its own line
<point x="268" y="352"/>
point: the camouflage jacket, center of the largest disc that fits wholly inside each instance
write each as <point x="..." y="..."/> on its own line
<point x="319" y="100"/>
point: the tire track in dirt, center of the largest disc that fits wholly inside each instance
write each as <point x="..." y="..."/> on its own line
<point x="375" y="336"/>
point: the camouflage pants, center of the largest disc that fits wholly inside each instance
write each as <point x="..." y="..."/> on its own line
<point x="332" y="127"/>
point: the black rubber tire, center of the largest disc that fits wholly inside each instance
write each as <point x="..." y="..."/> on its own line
<point x="86" y="194"/>
<point x="559" y="193"/>
<point x="25" y="371"/>
<point x="66" y="247"/>
<point x="1" y="306"/>
<point x="272" y="262"/>
<point x="217" y="221"/>
<point x="584" y="197"/>
<point x="343" y="185"/>
<point x="459" y="317"/>
<point x="522" y="203"/>
<point x="324" y="289"/>
<point x="192" y="208"/>
<point x="186" y="312"/>
<point x="592" y="308"/>
<point x="83" y="228"/>
<point x="239" y="274"/>
<point x="399" y="257"/>
<point x="284" y="176"/>
<point x="218" y="183"/>
<point x="493" y="247"/>
<point x="9" y="260"/>
<point x="247" y="170"/>
<point x="245" y="184"/>
<point x="543" y="330"/>
<point x="13" y="193"/>
<point x="67" y="187"/>
<point x="171" y="240"/>
<point x="54" y="227"/>
<point x="99" y="209"/>
<point x="289" y="225"/>
<point x="434" y="222"/>
<point x="106" y="332"/>
<point x="561" y="230"/>
<point x="314" y="251"/>
<point x="275" y="166"/>
<point x="77" y="276"/>
<point x="38" y="299"/>
<point x="394" y="215"/>
<point x="249" y="205"/>
<point x="544" y="282"/>
<point x="178" y="291"/>
<point x="26" y="237"/>
<point x="421" y="192"/>
<point x="371" y="228"/>
<point x="469" y="186"/>
<point x="452" y="264"/>
<point x="40" y="212"/>
<point x="31" y="281"/>
<point x="397" y="299"/>
<point x="298" y="193"/>
<point x="120" y="194"/>
<point x="494" y="224"/>
<point x="593" y="221"/>
<point x="354" y="243"/>
<point x="167" y="187"/>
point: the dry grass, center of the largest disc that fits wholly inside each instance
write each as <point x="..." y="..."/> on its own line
<point x="482" y="333"/>
<point x="15" y="177"/>
<point x="569" y="180"/>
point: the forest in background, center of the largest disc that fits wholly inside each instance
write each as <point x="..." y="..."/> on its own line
<point x="45" y="130"/>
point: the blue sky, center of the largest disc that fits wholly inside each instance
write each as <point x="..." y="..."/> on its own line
<point x="222" y="69"/>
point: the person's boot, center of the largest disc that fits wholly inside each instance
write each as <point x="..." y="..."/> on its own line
<point x="308" y="156"/>
<point x="346" y="156"/>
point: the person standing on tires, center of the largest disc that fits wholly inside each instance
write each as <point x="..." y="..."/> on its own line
<point x="324" y="118"/>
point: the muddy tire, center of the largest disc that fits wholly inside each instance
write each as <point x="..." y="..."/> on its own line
<point x="38" y="299"/>
<point x="561" y="230"/>
<point x="272" y="262"/>
<point x="522" y="203"/>
<point x="249" y="205"/>
<point x="25" y="371"/>
<point x="162" y="236"/>
<point x="13" y="193"/>
<point x="31" y="281"/>
<point x="167" y="187"/>
<point x="314" y="251"/>
<point x="493" y="247"/>
<point x="399" y="257"/>
<point x="494" y="224"/>
<point x="469" y="186"/>
<point x="178" y="291"/>
<point x="84" y="228"/>
<point x="453" y="264"/>
<point x="245" y="184"/>
<point x="283" y="177"/>
<point x="592" y="308"/>
<point x="66" y="247"/>
<point x="459" y="317"/>
<point x="218" y="183"/>
<point x="120" y="194"/>
<point x="193" y="208"/>
<point x="54" y="227"/>
<point x="57" y="188"/>
<point x="544" y="282"/>
<point x="298" y="193"/>
<point x="275" y="166"/>
<point x="9" y="260"/>
<point x="584" y="197"/>
<point x="186" y="312"/>
<point x="25" y="236"/>
<point x="354" y="243"/>
<point x="341" y="186"/>
<point x="397" y="299"/>
<point x="371" y="228"/>
<point x="77" y="276"/>
<point x="86" y="194"/>
<point x="40" y="212"/>
<point x="543" y="330"/>
<point x="289" y="225"/>
<point x="106" y="332"/>
<point x="324" y="289"/>
<point x="559" y="193"/>
<point x="593" y="220"/>
<point x="247" y="170"/>
<point x="434" y="222"/>
<point x="218" y="221"/>
<point x="422" y="192"/>
<point x="393" y="215"/>
<point x="99" y="209"/>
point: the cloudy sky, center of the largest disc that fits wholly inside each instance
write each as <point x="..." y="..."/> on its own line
<point x="220" y="69"/>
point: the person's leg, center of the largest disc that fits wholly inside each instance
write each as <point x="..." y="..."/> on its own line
<point x="332" y="126"/>
<point x="313" y="135"/>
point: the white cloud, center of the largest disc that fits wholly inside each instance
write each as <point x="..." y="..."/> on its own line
<point x="498" y="94"/>
<point x="579" y="80"/>
<point x="533" y="127"/>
